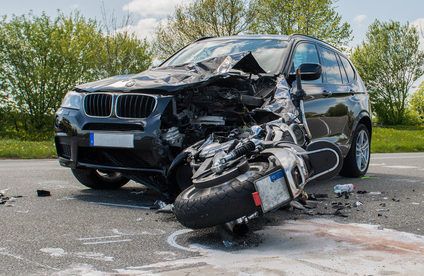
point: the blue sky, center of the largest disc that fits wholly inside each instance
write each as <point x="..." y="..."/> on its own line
<point x="148" y="13"/>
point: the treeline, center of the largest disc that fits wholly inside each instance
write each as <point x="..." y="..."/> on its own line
<point x="41" y="58"/>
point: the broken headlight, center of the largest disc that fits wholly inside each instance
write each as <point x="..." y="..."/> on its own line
<point x="72" y="100"/>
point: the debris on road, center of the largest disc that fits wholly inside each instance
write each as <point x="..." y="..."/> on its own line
<point x="297" y="205"/>
<point x="374" y="193"/>
<point x="343" y="188"/>
<point x="43" y="193"/>
<point x="357" y="204"/>
<point x="361" y="192"/>
<point x="168" y="208"/>
<point x="162" y="207"/>
<point x="317" y="196"/>
<point x="7" y="201"/>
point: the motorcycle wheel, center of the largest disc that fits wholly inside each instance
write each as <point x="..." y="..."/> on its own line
<point x="198" y="208"/>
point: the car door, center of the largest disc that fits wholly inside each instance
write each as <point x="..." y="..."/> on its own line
<point x="336" y="89"/>
<point x="317" y="101"/>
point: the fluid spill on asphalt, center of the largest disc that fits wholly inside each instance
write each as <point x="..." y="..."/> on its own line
<point x="301" y="247"/>
<point x="307" y="247"/>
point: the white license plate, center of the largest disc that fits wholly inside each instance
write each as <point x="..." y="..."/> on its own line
<point x="112" y="140"/>
<point x="272" y="190"/>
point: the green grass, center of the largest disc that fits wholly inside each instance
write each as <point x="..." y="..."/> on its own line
<point x="11" y="148"/>
<point x="398" y="139"/>
<point x="385" y="139"/>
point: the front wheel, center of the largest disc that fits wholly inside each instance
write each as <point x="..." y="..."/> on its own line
<point x="206" y="207"/>
<point x="99" y="180"/>
<point x="358" y="159"/>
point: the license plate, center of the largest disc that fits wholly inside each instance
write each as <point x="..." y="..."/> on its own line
<point x="112" y="140"/>
<point x="272" y="190"/>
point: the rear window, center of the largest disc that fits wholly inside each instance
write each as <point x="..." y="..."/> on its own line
<point x="330" y="67"/>
<point x="349" y="69"/>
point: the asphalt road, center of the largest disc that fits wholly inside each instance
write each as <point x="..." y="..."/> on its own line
<point x="78" y="231"/>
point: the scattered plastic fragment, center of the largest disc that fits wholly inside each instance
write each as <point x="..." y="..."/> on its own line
<point x="395" y="199"/>
<point x="297" y="205"/>
<point x="317" y="196"/>
<point x="227" y="243"/>
<point x="357" y="204"/>
<point x="159" y="204"/>
<point x="43" y="193"/>
<point x="7" y="201"/>
<point x="415" y="203"/>
<point x="339" y="213"/>
<point x="169" y="208"/>
<point x="375" y="193"/>
<point x="343" y="188"/>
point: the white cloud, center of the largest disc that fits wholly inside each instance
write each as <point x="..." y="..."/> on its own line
<point x="144" y="28"/>
<point x="419" y="24"/>
<point x="151" y="13"/>
<point x="360" y="19"/>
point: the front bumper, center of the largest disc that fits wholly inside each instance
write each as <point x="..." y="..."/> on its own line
<point x="72" y="139"/>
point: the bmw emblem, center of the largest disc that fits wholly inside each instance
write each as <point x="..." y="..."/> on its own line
<point x="130" y="83"/>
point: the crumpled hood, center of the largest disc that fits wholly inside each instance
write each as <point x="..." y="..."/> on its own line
<point x="171" y="79"/>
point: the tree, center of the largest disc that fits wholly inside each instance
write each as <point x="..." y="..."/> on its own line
<point x="203" y="18"/>
<point x="122" y="52"/>
<point x="389" y="61"/>
<point x="417" y="102"/>
<point x="42" y="58"/>
<point x="317" y="18"/>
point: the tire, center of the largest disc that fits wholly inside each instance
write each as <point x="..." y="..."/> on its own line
<point x="201" y="208"/>
<point x="351" y="166"/>
<point x="100" y="181"/>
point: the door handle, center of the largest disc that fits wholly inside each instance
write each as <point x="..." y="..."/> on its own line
<point x="327" y="93"/>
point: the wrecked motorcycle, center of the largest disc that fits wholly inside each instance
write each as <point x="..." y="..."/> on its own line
<point x="255" y="169"/>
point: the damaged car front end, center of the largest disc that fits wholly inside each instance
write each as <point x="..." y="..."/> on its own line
<point x="133" y="127"/>
<point x="136" y="127"/>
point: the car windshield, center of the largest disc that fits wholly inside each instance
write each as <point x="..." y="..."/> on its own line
<point x="268" y="52"/>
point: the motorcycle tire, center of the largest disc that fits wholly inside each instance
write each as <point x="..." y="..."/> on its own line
<point x="198" y="208"/>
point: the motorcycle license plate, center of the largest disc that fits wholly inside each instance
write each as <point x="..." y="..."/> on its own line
<point x="112" y="140"/>
<point x="273" y="190"/>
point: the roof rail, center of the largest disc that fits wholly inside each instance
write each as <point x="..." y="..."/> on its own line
<point x="317" y="39"/>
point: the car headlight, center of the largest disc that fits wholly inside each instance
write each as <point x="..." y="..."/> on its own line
<point x="72" y="100"/>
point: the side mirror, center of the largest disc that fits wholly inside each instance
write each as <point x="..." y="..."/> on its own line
<point x="310" y="71"/>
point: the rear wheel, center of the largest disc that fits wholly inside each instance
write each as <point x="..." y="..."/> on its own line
<point x="206" y="207"/>
<point x="100" y="180"/>
<point x="357" y="161"/>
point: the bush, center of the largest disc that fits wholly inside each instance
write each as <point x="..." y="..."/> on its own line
<point x="417" y="104"/>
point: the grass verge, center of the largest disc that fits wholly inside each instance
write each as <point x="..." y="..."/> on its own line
<point x="385" y="139"/>
<point x="11" y="148"/>
<point x="398" y="139"/>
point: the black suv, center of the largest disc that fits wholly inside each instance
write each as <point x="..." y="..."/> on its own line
<point x="136" y="126"/>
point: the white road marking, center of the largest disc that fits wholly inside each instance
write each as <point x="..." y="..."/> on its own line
<point x="20" y="258"/>
<point x="103" y="242"/>
<point x="121" y="205"/>
<point x="401" y="167"/>
<point x="396" y="157"/>
<point x="377" y="164"/>
<point x="172" y="239"/>
<point x="98" y="238"/>
<point x="54" y="252"/>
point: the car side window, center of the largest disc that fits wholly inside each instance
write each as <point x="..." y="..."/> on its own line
<point x="330" y="67"/>
<point x="349" y="69"/>
<point x="342" y="70"/>
<point x="305" y="53"/>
